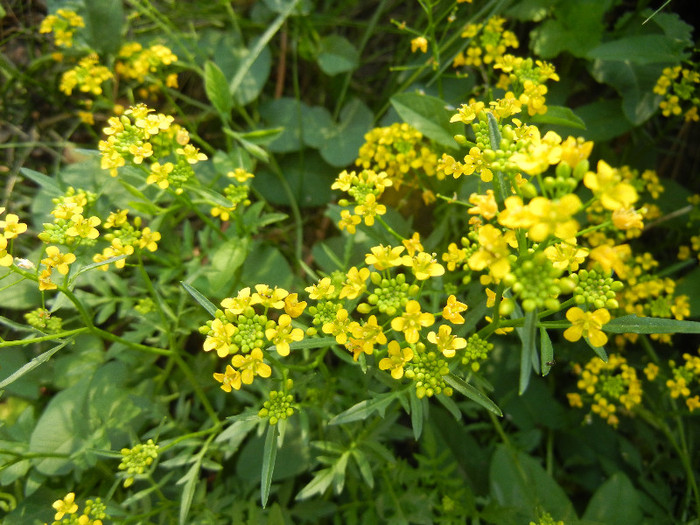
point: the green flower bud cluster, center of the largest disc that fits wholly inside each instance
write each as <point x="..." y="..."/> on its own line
<point x="324" y="312"/>
<point x="390" y="295"/>
<point x="55" y="233"/>
<point x="96" y="509"/>
<point x="661" y="306"/>
<point x="279" y="406"/>
<point x="536" y="283"/>
<point x="41" y="319"/>
<point x="145" y="305"/>
<point x="476" y="352"/>
<point x="136" y="460"/>
<point x="181" y="174"/>
<point x="126" y="233"/>
<point x="237" y="194"/>
<point x="249" y="332"/>
<point x="546" y="519"/>
<point x="596" y="288"/>
<point x="427" y="370"/>
<point x="564" y="182"/>
<point x="90" y="197"/>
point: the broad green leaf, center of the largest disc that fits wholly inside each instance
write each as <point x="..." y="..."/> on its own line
<point x="631" y="324"/>
<point x="604" y="120"/>
<point x="576" y="27"/>
<point x="225" y="260"/>
<point x="560" y="116"/>
<point x="285" y="113"/>
<point x="517" y="480"/>
<point x="429" y="115"/>
<point x="317" y="126"/>
<point x="200" y="298"/>
<point x="19" y="293"/>
<point x="268" y="465"/>
<point x="640" y="49"/>
<point x="216" y="87"/>
<point x="546" y="352"/>
<point x="252" y="84"/>
<point x="266" y="264"/>
<point x="337" y="55"/>
<point x="103" y="24"/>
<point x="472" y="393"/>
<point x="342" y="145"/>
<point x="616" y="502"/>
<point x="362" y="410"/>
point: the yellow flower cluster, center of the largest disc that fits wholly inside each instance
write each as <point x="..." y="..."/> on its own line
<point x="487" y="43"/>
<point x="236" y="194"/>
<point x="93" y="513"/>
<point x="12" y="227"/>
<point x="609" y="388"/>
<point x="685" y="381"/>
<point x="88" y="76"/>
<point x="63" y="25"/>
<point x="365" y="188"/>
<point x="527" y="80"/>
<point x="141" y="134"/>
<point x="679" y="87"/>
<point x="146" y="65"/>
<point x="241" y="331"/>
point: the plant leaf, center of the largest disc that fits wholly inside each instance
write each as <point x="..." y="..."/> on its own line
<point x="364" y="409"/>
<point x="217" y="90"/>
<point x="429" y="115"/>
<point x="472" y="393"/>
<point x="203" y="301"/>
<point x="631" y="324"/>
<point x="268" y="465"/>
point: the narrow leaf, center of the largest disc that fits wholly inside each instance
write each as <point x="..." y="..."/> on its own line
<point x="268" y="466"/>
<point x="217" y="90"/>
<point x="472" y="393"/>
<point x="527" y="336"/>
<point x="416" y="413"/>
<point x="546" y="352"/>
<point x="203" y="301"/>
<point x="42" y="180"/>
<point x="364" y="409"/>
<point x="322" y="480"/>
<point x="631" y="324"/>
<point x="364" y="466"/>
<point x="31" y="365"/>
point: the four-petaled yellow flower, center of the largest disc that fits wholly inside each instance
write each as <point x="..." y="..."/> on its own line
<point x="446" y="342"/>
<point x="231" y="378"/>
<point x="587" y="324"/>
<point x="452" y="310"/>
<point x="12" y="227"/>
<point x="383" y="257"/>
<point x="420" y="42"/>
<point x="219" y="337"/>
<point x="354" y="285"/>
<point x="65" y="506"/>
<point x="324" y="289"/>
<point x="412" y="321"/>
<point x="284" y="334"/>
<point x="251" y="365"/>
<point x="396" y="360"/>
<point x="58" y="260"/>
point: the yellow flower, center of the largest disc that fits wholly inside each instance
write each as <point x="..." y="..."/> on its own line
<point x="191" y="154"/>
<point x="424" y="266"/>
<point x="411" y="321"/>
<point x="231" y="378"/>
<point x="354" y="284"/>
<point x="413" y="244"/>
<point x="5" y="258"/>
<point x="269" y="297"/>
<point x="12" y="227"/>
<point x="383" y="257"/>
<point x="419" y="43"/>
<point x="240" y="174"/>
<point x="369" y="209"/>
<point x="606" y="184"/>
<point x="159" y="174"/>
<point x="251" y="365"/>
<point x="492" y="253"/>
<point x="292" y="306"/>
<point x="84" y="228"/>
<point x="219" y="338"/>
<point x="283" y="334"/>
<point x="349" y="221"/>
<point x="447" y="343"/>
<point x="236" y="305"/>
<point x="339" y="327"/>
<point x="65" y="506"/>
<point x="484" y="205"/>
<point x="553" y="217"/>
<point x="149" y="239"/>
<point x="324" y="289"/>
<point x="452" y="310"/>
<point x="587" y="324"/>
<point x="397" y="359"/>
<point x="627" y="219"/>
<point x="58" y="260"/>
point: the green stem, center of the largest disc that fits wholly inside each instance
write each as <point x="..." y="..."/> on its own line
<point x="388" y="228"/>
<point x="52" y="337"/>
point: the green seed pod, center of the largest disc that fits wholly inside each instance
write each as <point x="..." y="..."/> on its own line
<point x="581" y="169"/>
<point x="506" y="307"/>
<point x="461" y="140"/>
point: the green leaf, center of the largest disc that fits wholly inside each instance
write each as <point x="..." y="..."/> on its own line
<point x="616" y="502"/>
<point x="268" y="465"/>
<point x="362" y="410"/>
<point x="640" y="49"/>
<point x="103" y="24"/>
<point x="337" y="55"/>
<point x="31" y="365"/>
<point x="190" y="481"/>
<point x="560" y="116"/>
<point x="46" y="182"/>
<point x="429" y="115"/>
<point x="364" y="466"/>
<point x="528" y="353"/>
<point x="217" y="89"/>
<point x="417" y="415"/>
<point x="546" y="352"/>
<point x="343" y="143"/>
<point x="285" y="113"/>
<point x="199" y="297"/>
<point x="318" y="485"/>
<point x="631" y="324"/>
<point x="225" y="260"/>
<point x="517" y="480"/>
<point x="472" y="393"/>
